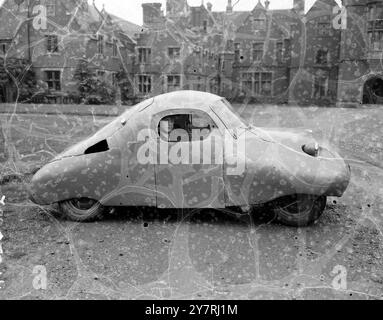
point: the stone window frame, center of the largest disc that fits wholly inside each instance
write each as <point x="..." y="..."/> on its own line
<point x="204" y="25"/>
<point x="280" y="52"/>
<point x="3" y="48"/>
<point x="375" y="27"/>
<point x="174" y="86"/>
<point x="101" y="74"/>
<point x="52" y="48"/>
<point x="173" y="49"/>
<point x="141" y="85"/>
<point x="52" y="82"/>
<point x="325" y="76"/>
<point x="5" y="44"/>
<point x="213" y="85"/>
<point x="144" y="55"/>
<point x="372" y="43"/>
<point x="100" y="44"/>
<point x="324" y="28"/>
<point x="373" y="12"/>
<point x="254" y="80"/>
<point x="328" y="57"/>
<point x="255" y="49"/>
<point x="259" y="23"/>
<point x="114" y="48"/>
<point x="50" y="5"/>
<point x="237" y="52"/>
<point x="114" y="79"/>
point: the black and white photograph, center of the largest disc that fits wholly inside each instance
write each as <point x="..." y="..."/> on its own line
<point x="213" y="151"/>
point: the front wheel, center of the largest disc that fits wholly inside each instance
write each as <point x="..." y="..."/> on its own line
<point x="82" y="210"/>
<point x="300" y="210"/>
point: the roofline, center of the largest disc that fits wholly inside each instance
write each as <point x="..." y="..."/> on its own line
<point x="315" y="2"/>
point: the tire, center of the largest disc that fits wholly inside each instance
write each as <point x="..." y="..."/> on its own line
<point x="300" y="210"/>
<point x="82" y="210"/>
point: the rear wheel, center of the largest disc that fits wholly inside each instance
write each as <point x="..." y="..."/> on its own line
<point x="82" y="210"/>
<point x="300" y="210"/>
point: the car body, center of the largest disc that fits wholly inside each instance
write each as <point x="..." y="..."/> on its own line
<point x="264" y="165"/>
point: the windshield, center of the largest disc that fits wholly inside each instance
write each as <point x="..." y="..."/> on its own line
<point x="228" y="115"/>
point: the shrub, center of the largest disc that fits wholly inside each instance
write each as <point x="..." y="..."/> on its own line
<point x="18" y="73"/>
<point x="126" y="87"/>
<point x="92" y="89"/>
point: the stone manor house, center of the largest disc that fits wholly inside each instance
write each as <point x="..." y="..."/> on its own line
<point x="327" y="55"/>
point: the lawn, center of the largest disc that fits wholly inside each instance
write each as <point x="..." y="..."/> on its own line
<point x="31" y="139"/>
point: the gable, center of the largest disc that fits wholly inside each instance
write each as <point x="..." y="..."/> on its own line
<point x="264" y="24"/>
<point x="323" y="5"/>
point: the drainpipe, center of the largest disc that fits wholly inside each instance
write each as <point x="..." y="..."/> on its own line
<point x="29" y="31"/>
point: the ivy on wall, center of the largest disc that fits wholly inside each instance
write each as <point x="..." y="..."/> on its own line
<point x="18" y="75"/>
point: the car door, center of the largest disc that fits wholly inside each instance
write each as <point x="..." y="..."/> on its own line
<point x="137" y="186"/>
<point x="189" y="170"/>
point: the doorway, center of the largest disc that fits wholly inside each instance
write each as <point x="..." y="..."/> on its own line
<point x="373" y="91"/>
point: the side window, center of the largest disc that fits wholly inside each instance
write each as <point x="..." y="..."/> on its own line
<point x="174" y="125"/>
<point x="201" y="127"/>
<point x="185" y="127"/>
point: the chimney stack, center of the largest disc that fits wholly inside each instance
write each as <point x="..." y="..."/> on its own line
<point x="229" y="8"/>
<point x="299" y="7"/>
<point x="209" y="6"/>
<point x="152" y="13"/>
<point x="267" y="4"/>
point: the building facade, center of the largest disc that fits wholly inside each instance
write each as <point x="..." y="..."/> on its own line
<point x="53" y="36"/>
<point x="326" y="56"/>
<point x="360" y="68"/>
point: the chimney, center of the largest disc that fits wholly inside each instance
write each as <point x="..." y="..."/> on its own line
<point x="267" y="4"/>
<point x="229" y="8"/>
<point x="209" y="6"/>
<point x="299" y="7"/>
<point x="152" y="13"/>
<point x="85" y="5"/>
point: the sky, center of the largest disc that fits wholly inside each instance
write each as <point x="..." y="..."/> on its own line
<point x="131" y="10"/>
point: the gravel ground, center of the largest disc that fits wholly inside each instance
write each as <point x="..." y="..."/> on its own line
<point x="206" y="254"/>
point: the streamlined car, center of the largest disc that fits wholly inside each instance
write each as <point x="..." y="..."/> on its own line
<point x="189" y="149"/>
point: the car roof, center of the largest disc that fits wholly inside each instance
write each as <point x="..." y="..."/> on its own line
<point x="186" y="99"/>
<point x="139" y="115"/>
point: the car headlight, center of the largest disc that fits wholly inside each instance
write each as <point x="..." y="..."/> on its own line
<point x="311" y="149"/>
